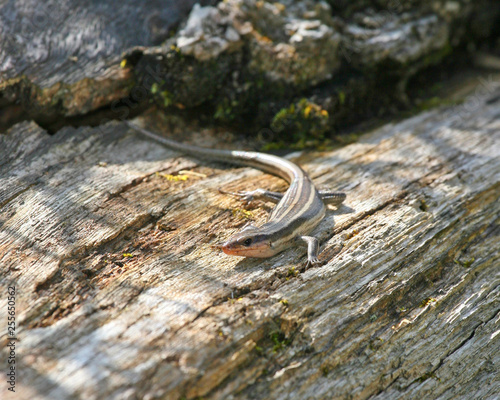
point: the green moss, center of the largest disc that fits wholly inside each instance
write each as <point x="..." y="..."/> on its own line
<point x="341" y="95"/>
<point x="273" y="340"/>
<point x="465" y="263"/>
<point x="428" y="301"/>
<point x="292" y="272"/>
<point x="274" y="146"/>
<point x="279" y="340"/>
<point x="225" y="110"/>
<point x="304" y="123"/>
<point x="166" y="97"/>
<point x="428" y="375"/>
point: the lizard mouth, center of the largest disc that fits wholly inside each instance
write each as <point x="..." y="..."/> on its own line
<point x="257" y="251"/>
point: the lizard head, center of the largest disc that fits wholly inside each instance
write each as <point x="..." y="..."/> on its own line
<point x="249" y="243"/>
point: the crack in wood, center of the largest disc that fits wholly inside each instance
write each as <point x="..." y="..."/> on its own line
<point x="17" y="194"/>
<point x="431" y="373"/>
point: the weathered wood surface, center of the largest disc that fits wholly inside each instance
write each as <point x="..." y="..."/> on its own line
<point x="406" y="306"/>
<point x="63" y="57"/>
<point x="65" y="41"/>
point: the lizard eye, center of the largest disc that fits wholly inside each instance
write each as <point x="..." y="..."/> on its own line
<point x="247" y="242"/>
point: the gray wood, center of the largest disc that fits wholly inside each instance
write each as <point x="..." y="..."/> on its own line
<point x="406" y="306"/>
<point x="66" y="41"/>
<point x="64" y="58"/>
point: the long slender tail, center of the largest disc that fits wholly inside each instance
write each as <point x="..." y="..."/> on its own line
<point x="195" y="151"/>
<point x="265" y="162"/>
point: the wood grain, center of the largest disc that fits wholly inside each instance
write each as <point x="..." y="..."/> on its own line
<point x="121" y="294"/>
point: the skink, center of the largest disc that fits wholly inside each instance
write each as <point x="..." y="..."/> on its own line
<point x="299" y="210"/>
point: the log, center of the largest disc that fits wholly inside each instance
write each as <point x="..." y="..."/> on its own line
<point x="121" y="293"/>
<point x="258" y="64"/>
<point x="63" y="59"/>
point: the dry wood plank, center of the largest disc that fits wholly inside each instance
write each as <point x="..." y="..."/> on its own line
<point x="407" y="304"/>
